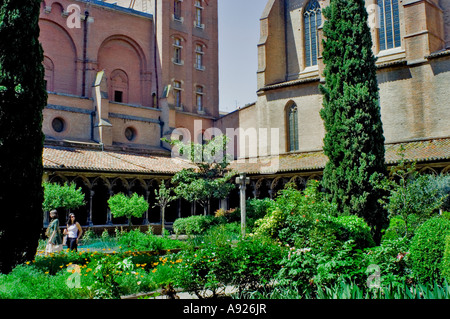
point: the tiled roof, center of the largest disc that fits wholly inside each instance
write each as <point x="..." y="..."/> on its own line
<point x="420" y="151"/>
<point x="109" y="161"/>
<point x="114" y="161"/>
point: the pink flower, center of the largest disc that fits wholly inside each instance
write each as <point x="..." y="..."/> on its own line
<point x="400" y="256"/>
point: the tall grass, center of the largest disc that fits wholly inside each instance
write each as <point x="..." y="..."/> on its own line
<point x="344" y="290"/>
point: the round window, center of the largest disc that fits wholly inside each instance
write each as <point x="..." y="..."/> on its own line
<point x="58" y="124"/>
<point x="130" y="133"/>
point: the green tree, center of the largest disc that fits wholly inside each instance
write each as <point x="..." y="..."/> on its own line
<point x="22" y="98"/>
<point x="412" y="196"/>
<point x="211" y="178"/>
<point x="128" y="206"/>
<point x="65" y="196"/>
<point x="354" y="141"/>
<point x="163" y="198"/>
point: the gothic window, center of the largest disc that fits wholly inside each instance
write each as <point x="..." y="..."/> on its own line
<point x="177" y="9"/>
<point x="312" y="19"/>
<point x="389" y="32"/>
<point x="199" y="97"/>
<point x="119" y="86"/>
<point x="292" y="129"/>
<point x="177" y="50"/>
<point x="49" y="73"/>
<point x="199" y="57"/>
<point x="177" y="92"/>
<point x="198" y="14"/>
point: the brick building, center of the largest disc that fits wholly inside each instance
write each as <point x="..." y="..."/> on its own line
<point x="120" y="76"/>
<point x="281" y="134"/>
<point x="136" y="70"/>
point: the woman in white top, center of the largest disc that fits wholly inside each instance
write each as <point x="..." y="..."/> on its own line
<point x="73" y="232"/>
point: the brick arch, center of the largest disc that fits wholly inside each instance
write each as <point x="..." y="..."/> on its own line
<point x="120" y="52"/>
<point x="428" y="170"/>
<point x="49" y="68"/>
<point x="119" y="82"/>
<point x="138" y="182"/>
<point x="58" y="179"/>
<point x="55" y="5"/>
<point x="60" y="48"/>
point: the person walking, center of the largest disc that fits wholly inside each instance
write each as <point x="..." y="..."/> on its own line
<point x="53" y="233"/>
<point x="73" y="232"/>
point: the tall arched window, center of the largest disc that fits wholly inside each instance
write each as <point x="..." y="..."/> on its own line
<point x="198" y="22"/>
<point x="312" y="19"/>
<point x="177" y="47"/>
<point x="119" y="86"/>
<point x="199" y="97"/>
<point x="177" y="9"/>
<point x="49" y="73"/>
<point x="177" y="93"/>
<point x="389" y="32"/>
<point x="292" y="127"/>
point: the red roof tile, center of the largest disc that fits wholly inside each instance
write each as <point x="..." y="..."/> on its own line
<point x="111" y="161"/>
<point x="114" y="161"/>
<point x="420" y="151"/>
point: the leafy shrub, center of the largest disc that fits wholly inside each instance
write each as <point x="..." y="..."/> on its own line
<point x="353" y="228"/>
<point x="221" y="233"/>
<point x="255" y="264"/>
<point x="427" y="249"/>
<point x="248" y="265"/>
<point x="106" y="271"/>
<point x="65" y="196"/>
<point x="194" y="225"/>
<point x="269" y="225"/>
<point x="128" y="206"/>
<point x="296" y="212"/>
<point x="395" y="230"/>
<point x="298" y="269"/>
<point x="393" y="258"/>
<point x="324" y="231"/>
<point x="446" y="259"/>
<point x="29" y="282"/>
<point x="202" y="271"/>
<point x="414" y="197"/>
<point x="139" y="241"/>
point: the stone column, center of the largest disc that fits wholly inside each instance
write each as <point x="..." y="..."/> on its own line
<point x="108" y="216"/>
<point x="242" y="181"/>
<point x="145" y="221"/>
<point x="89" y="220"/>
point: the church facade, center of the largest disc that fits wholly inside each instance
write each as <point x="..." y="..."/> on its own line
<point x="282" y="132"/>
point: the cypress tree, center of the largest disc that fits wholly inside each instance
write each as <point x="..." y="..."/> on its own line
<point x="22" y="98"/>
<point x="354" y="141"/>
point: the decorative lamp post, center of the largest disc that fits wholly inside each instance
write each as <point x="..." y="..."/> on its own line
<point x="242" y="181"/>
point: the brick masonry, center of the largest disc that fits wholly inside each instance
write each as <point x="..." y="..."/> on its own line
<point x="413" y="79"/>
